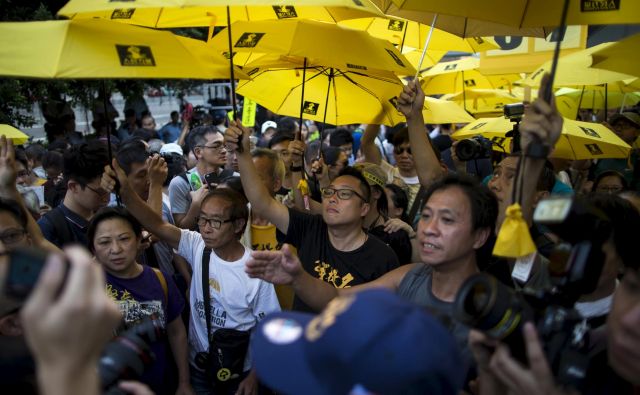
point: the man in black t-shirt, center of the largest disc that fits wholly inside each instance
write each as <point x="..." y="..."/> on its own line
<point x="332" y="247"/>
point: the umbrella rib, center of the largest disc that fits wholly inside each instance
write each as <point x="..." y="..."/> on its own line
<point x="295" y="87"/>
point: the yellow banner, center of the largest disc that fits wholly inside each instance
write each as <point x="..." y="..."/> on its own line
<point x="249" y="112"/>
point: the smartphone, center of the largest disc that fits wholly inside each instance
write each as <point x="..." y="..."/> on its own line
<point x="212" y="178"/>
<point x="24" y="270"/>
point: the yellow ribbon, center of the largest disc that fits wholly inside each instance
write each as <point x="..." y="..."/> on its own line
<point x="514" y="239"/>
<point x="303" y="187"/>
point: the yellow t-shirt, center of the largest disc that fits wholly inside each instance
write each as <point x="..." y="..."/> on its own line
<point x="263" y="238"/>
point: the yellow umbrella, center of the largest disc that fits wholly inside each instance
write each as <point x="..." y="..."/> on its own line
<point x="430" y="58"/>
<point x="459" y="75"/>
<point x="103" y="49"/>
<point x="595" y="98"/>
<point x="483" y="101"/>
<point x="339" y="96"/>
<point x="579" y="140"/>
<point x="13" y="134"/>
<point x="406" y="33"/>
<point x="621" y="57"/>
<point x="295" y="40"/>
<point x="533" y="13"/>
<point x="462" y="25"/>
<point x="183" y="13"/>
<point x="574" y="69"/>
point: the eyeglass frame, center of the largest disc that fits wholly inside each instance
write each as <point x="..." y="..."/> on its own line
<point x="97" y="192"/>
<point x="210" y="222"/>
<point x="337" y="191"/>
<point x="218" y="148"/>
<point x="5" y="235"/>
<point x="402" y="150"/>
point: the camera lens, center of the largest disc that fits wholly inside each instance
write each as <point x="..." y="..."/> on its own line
<point x="466" y="149"/>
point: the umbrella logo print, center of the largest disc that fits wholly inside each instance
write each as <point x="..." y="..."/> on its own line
<point x="594" y="149"/>
<point x="310" y="108"/>
<point x="248" y="40"/>
<point x="599" y="5"/>
<point x="357" y="2"/>
<point x="451" y="67"/>
<point x="396" y="26"/>
<point x="135" y="55"/>
<point x="469" y="83"/>
<point x="395" y="58"/>
<point x="590" y="132"/>
<point x="285" y="11"/>
<point x="123" y="13"/>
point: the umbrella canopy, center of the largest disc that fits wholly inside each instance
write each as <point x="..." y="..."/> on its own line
<point x="463" y="25"/>
<point x="413" y="34"/>
<point x="13" y="134"/>
<point x="574" y="69"/>
<point x="533" y="13"/>
<point x="595" y="97"/>
<point x="483" y="101"/>
<point x="459" y="75"/>
<point x="182" y="13"/>
<point x="430" y="58"/>
<point x="103" y="49"/>
<point x="621" y="57"/>
<point x="579" y="140"/>
<point x="347" y="96"/>
<point x="322" y="44"/>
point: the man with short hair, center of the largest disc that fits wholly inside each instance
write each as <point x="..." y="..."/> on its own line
<point x="333" y="246"/>
<point x="83" y="168"/>
<point x="170" y="132"/>
<point x="280" y="144"/>
<point x="343" y="139"/>
<point x="129" y="125"/>
<point x="187" y="190"/>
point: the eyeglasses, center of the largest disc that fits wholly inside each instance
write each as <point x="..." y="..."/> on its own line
<point x="401" y="150"/>
<point x="609" y="189"/>
<point x="215" y="146"/>
<point x="12" y="236"/>
<point x="100" y="192"/>
<point x="212" y="222"/>
<point x="22" y="173"/>
<point x="343" y="194"/>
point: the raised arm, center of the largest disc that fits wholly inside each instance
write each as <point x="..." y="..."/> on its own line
<point x="261" y="201"/>
<point x="410" y="103"/>
<point x="368" y="144"/>
<point x="284" y="267"/>
<point x="9" y="191"/>
<point x="297" y="148"/>
<point x="149" y="219"/>
<point x="158" y="171"/>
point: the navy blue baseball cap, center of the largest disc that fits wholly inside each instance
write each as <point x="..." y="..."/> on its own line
<point x="372" y="340"/>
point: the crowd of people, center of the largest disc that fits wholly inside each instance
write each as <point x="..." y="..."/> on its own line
<point x="213" y="230"/>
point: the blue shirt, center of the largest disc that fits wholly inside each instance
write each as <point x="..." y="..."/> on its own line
<point x="170" y="132"/>
<point x="75" y="223"/>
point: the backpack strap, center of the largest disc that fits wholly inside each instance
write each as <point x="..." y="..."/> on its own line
<point x="163" y="284"/>
<point x="57" y="218"/>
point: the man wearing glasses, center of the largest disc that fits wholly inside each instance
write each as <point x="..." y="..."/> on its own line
<point x="333" y="246"/>
<point x="83" y="167"/>
<point x="187" y="190"/>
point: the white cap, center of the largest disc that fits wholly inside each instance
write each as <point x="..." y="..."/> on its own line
<point x="171" y="148"/>
<point x="267" y="125"/>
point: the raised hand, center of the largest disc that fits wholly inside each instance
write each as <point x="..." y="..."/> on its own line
<point x="411" y="100"/>
<point x="8" y="171"/>
<point x="158" y="170"/>
<point x="114" y="175"/>
<point x="234" y="133"/>
<point x="296" y="148"/>
<point x="276" y="267"/>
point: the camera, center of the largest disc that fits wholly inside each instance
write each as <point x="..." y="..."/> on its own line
<point x="514" y="112"/>
<point x="576" y="264"/>
<point x="476" y="147"/>
<point x="127" y="356"/>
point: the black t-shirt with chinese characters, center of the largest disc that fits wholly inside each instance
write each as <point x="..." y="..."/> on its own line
<point x="309" y="234"/>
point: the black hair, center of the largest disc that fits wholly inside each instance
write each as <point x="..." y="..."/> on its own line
<point x="130" y="152"/>
<point x="58" y="145"/>
<point x="400" y="137"/>
<point x="287" y="125"/>
<point x="174" y="113"/>
<point x="107" y="213"/>
<point x="129" y="112"/>
<point x="483" y="202"/>
<point x="340" y="136"/>
<point x="608" y="173"/>
<point x="86" y="161"/>
<point x="53" y="159"/>
<point x="13" y="208"/>
<point x="239" y="209"/>
<point x="176" y="164"/>
<point x="625" y="222"/>
<point x="311" y="152"/>
<point x="400" y="200"/>
<point x="280" y="137"/>
<point x="331" y="155"/>
<point x="197" y="135"/>
<point x="234" y="182"/>
<point x="21" y="157"/>
<point x="35" y="152"/>
<point x="364" y="184"/>
<point x="547" y="178"/>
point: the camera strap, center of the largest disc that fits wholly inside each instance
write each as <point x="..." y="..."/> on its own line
<point x="206" y="255"/>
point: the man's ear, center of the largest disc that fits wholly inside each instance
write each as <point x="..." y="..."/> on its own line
<point x="364" y="210"/>
<point x="481" y="236"/>
<point x="238" y="225"/>
<point x="73" y="185"/>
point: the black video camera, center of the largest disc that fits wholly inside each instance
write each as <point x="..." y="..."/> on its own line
<point x="576" y="264"/>
<point x="476" y="147"/>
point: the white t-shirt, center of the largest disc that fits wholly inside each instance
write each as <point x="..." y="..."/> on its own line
<point x="237" y="301"/>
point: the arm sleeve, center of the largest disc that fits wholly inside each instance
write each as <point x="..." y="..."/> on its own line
<point x="299" y="224"/>
<point x="179" y="195"/>
<point x="48" y="231"/>
<point x="265" y="302"/>
<point x="188" y="246"/>
<point x="175" y="301"/>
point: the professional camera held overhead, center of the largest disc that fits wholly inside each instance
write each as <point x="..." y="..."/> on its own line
<point x="576" y="264"/>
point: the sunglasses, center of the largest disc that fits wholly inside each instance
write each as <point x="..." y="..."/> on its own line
<point x="401" y="150"/>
